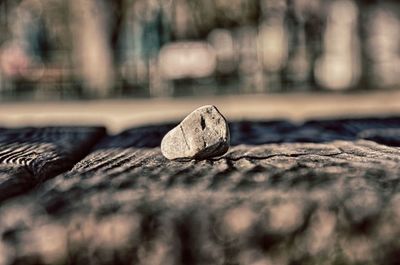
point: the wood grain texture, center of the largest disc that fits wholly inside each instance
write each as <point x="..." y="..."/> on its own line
<point x="316" y="193"/>
<point x="29" y="156"/>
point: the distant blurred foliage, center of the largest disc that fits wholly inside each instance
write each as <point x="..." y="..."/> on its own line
<point x="99" y="48"/>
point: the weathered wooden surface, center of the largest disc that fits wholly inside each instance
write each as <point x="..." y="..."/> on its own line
<point x="316" y="193"/>
<point x="29" y="156"/>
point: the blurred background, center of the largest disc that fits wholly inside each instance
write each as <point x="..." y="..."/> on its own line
<point x="56" y="50"/>
<point x="157" y="48"/>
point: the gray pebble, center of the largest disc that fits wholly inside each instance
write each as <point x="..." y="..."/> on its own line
<point x="203" y="134"/>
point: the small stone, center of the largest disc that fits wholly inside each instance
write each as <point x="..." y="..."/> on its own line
<point x="203" y="134"/>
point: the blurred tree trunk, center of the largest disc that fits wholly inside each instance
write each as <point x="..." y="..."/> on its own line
<point x="364" y="8"/>
<point x="92" y="49"/>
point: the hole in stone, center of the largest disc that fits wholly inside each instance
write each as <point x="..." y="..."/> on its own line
<point x="202" y="122"/>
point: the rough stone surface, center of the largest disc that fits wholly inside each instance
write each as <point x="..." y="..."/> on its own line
<point x="315" y="193"/>
<point x="203" y="134"/>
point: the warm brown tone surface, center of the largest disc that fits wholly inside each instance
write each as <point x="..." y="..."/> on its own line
<point x="118" y="115"/>
<point x="324" y="192"/>
<point x="30" y="156"/>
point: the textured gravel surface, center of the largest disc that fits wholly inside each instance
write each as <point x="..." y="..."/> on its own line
<point x="323" y="192"/>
